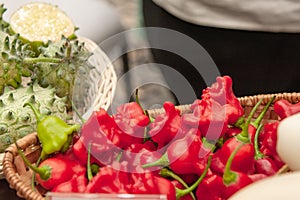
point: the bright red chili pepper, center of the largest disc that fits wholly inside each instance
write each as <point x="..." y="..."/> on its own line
<point x="221" y="91"/>
<point x="231" y="132"/>
<point x="283" y="108"/>
<point x="106" y="138"/>
<point x="211" y="188"/>
<point x="81" y="153"/>
<point x="233" y="180"/>
<point x="268" y="142"/>
<point x="244" y="159"/>
<point x="187" y="155"/>
<point x="166" y="126"/>
<point x="139" y="154"/>
<point x="54" y="170"/>
<point x="142" y="183"/>
<point x="209" y="117"/>
<point x="263" y="164"/>
<point x="76" y="184"/>
<point x="131" y="119"/>
<point x="61" y="170"/>
<point x="109" y="180"/>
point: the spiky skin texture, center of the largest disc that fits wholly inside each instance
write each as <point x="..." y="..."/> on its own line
<point x="62" y="75"/>
<point x="16" y="121"/>
<point x="3" y="24"/>
<point x="12" y="68"/>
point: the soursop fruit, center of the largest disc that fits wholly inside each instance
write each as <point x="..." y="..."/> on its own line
<point x="17" y="120"/>
<point x="62" y="75"/>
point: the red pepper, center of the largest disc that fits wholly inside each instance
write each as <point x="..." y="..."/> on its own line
<point x="109" y="180"/>
<point x="209" y="117"/>
<point x="114" y="179"/>
<point x="268" y="142"/>
<point x="263" y="164"/>
<point x="233" y="180"/>
<point x="231" y="132"/>
<point x="166" y="187"/>
<point x="143" y="183"/>
<point x="81" y="153"/>
<point x="211" y="188"/>
<point x="130" y="118"/>
<point x="77" y="184"/>
<point x="187" y="155"/>
<point x="284" y="108"/>
<point x="54" y="170"/>
<point x="105" y="136"/>
<point x="166" y="126"/>
<point x="244" y="159"/>
<point x="221" y="92"/>
<point x="138" y="154"/>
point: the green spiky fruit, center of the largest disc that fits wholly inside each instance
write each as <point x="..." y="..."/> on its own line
<point x="16" y="121"/>
<point x="74" y="62"/>
<point x="3" y="24"/>
<point x="12" y="67"/>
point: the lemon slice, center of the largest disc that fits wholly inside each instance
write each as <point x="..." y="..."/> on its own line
<point x="41" y="22"/>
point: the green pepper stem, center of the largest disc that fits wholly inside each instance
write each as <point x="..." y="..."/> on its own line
<point x="258" y="153"/>
<point x="78" y="114"/>
<point x="44" y="171"/>
<point x="208" y="145"/>
<point x="162" y="161"/>
<point x="244" y="136"/>
<point x="182" y="192"/>
<point x="89" y="169"/>
<point x="230" y="176"/>
<point x="258" y="120"/>
<point x="165" y="172"/>
<point x="36" y="112"/>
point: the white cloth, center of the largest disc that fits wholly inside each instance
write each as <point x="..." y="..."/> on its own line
<point x="260" y="15"/>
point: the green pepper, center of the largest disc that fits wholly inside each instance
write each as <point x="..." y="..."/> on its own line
<point x="54" y="133"/>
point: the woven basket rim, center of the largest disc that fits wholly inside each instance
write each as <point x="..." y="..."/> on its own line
<point x="24" y="191"/>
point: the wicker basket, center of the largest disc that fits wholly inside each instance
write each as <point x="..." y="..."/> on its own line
<point x="19" y="177"/>
<point x="102" y="85"/>
<point x="103" y="81"/>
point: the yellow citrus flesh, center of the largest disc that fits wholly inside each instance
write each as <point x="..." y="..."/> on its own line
<point x="41" y="22"/>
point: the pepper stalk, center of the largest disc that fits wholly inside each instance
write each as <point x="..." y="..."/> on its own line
<point x="182" y="192"/>
<point x="43" y="171"/>
<point x="230" y="176"/>
<point x="165" y="172"/>
<point x="244" y="136"/>
<point x="258" y="153"/>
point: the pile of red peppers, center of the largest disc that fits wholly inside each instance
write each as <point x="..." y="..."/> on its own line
<point x="209" y="153"/>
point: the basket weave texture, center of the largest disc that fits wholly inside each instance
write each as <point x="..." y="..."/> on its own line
<point x="19" y="177"/>
<point x="103" y="79"/>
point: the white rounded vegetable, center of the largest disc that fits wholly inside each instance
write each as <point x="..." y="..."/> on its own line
<point x="288" y="141"/>
<point x="285" y="186"/>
